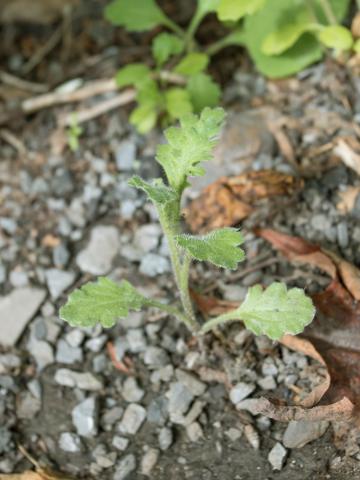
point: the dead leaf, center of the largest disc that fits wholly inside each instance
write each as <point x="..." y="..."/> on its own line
<point x="347" y="199"/>
<point x="348" y="149"/>
<point x="231" y="199"/>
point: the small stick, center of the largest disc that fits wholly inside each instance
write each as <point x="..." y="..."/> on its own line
<point x="9" y="79"/>
<point x="87" y="114"/>
<point x="10" y="138"/>
<point x="117" y="364"/>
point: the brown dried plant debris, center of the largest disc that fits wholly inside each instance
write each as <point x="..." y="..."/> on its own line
<point x="230" y="200"/>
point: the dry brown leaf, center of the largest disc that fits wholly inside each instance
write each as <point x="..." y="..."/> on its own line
<point x="348" y="149"/>
<point x="231" y="199"/>
<point x="347" y="199"/>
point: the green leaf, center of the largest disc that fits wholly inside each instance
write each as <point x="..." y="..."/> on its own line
<point x="189" y="145"/>
<point x="336" y="37"/>
<point x="204" y="92"/>
<point x="207" y="6"/>
<point x="220" y="247"/>
<point x="144" y="118"/>
<point x="193" y="63"/>
<point x="356" y="46"/>
<point x="234" y="10"/>
<point x="165" y="45"/>
<point x="101" y="302"/>
<point x="156" y="191"/>
<point x="178" y="103"/>
<point x="132" y="74"/>
<point x="276" y="310"/>
<point x="135" y="15"/>
<point x="288" y="33"/>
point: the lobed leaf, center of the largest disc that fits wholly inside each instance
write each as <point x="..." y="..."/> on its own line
<point x="220" y="247"/>
<point x="234" y="10"/>
<point x="276" y="311"/>
<point x="135" y="15"/>
<point x="204" y="92"/>
<point x="192" y="64"/>
<point x="101" y="302"/>
<point x="177" y="102"/>
<point x="189" y="145"/>
<point x="132" y="74"/>
<point x="156" y="191"/>
<point x="336" y="37"/>
<point x="165" y="45"/>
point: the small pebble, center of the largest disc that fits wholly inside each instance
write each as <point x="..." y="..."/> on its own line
<point x="124" y="467"/>
<point x="277" y="456"/>
<point x="149" y="461"/>
<point x="132" y="420"/>
<point x="69" y="442"/>
<point x="166" y="438"/>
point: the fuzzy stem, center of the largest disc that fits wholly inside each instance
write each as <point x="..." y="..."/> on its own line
<point x="171" y="310"/>
<point x="328" y="11"/>
<point x="184" y="290"/>
<point x="175" y="28"/>
<point x="214" y="322"/>
<point x="195" y="22"/>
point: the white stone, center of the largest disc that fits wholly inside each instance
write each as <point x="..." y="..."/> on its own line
<point x="277" y="456"/>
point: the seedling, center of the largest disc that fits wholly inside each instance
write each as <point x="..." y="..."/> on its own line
<point x="273" y="311"/>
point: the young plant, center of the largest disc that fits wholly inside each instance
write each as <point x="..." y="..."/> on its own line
<point x="282" y="37"/>
<point x="273" y="311"/>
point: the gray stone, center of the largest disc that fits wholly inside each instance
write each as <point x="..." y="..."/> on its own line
<point x="121" y="443"/>
<point x="9" y="361"/>
<point x="62" y="182"/>
<point x="110" y="417"/>
<point x="69" y="442"/>
<point x="42" y="352"/>
<point x="5" y="440"/>
<point x="16" y="310"/>
<point x="67" y="354"/>
<point x="180" y="398"/>
<point x="84" y="417"/>
<point x="58" y="281"/>
<point x="61" y="255"/>
<point x="27" y="406"/>
<point x="131" y="391"/>
<point x="267" y="383"/>
<point x="194" y="432"/>
<point x="132" y="420"/>
<point x="157" y="411"/>
<point x="100" y="252"/>
<point x="136" y="340"/>
<point x="96" y="344"/>
<point x="8" y="225"/>
<point x="147" y="237"/>
<point x="125" y="155"/>
<point x="321" y="222"/>
<point x="155" y="357"/>
<point x="125" y="466"/>
<point x="342" y="234"/>
<point x="240" y="391"/>
<point x="193" y="384"/>
<point x="18" y="278"/>
<point x="233" y="434"/>
<point x="149" y="461"/>
<point x="84" y="381"/>
<point x="2" y="274"/>
<point x="277" y="456"/>
<point x="152" y="265"/>
<point x="299" y="433"/>
<point x="34" y="387"/>
<point x="163" y="374"/>
<point x="75" y="337"/>
<point x="166" y="438"/>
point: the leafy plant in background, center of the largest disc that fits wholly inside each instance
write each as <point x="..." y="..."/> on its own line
<point x="282" y="37"/>
<point x="273" y="311"/>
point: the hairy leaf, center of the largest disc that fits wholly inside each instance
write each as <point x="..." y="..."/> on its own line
<point x="156" y="191"/>
<point x="101" y="302"/>
<point x="132" y="74"/>
<point x="177" y="102"/>
<point x="189" y="145"/>
<point x="336" y="37"/>
<point x="135" y="15"/>
<point x="204" y="92"/>
<point x="233" y="10"/>
<point x="165" y="45"/>
<point x="276" y="310"/>
<point x="192" y="64"/>
<point x="220" y="247"/>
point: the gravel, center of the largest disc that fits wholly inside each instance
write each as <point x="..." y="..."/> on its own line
<point x="277" y="456"/>
<point x="153" y="265"/>
<point x="132" y="420"/>
<point x="84" y="417"/>
<point x="299" y="433"/>
<point x="67" y="354"/>
<point x="69" y="442"/>
<point x="166" y="438"/>
<point x="124" y="467"/>
<point x="149" y="460"/>
<point x="84" y="381"/>
<point x="131" y="391"/>
<point x="58" y="281"/>
<point x="241" y="391"/>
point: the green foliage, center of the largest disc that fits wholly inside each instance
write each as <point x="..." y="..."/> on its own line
<point x="192" y="64"/>
<point x="337" y="37"/>
<point x="74" y="132"/>
<point x="188" y="146"/>
<point x="165" y="45"/>
<point x="207" y="6"/>
<point x="178" y="102"/>
<point x="272" y="312"/>
<point x="219" y="247"/>
<point x="150" y="101"/>
<point x="234" y="10"/>
<point x="132" y="74"/>
<point x="204" y="92"/>
<point x="135" y="15"/>
<point x="276" y="311"/>
<point x="102" y="302"/>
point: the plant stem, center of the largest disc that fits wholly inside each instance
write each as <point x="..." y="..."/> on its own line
<point x="328" y="11"/>
<point x="169" y="309"/>
<point x="189" y="38"/>
<point x="184" y="289"/>
<point x="214" y="322"/>
<point x="175" y="28"/>
<point x="358" y="4"/>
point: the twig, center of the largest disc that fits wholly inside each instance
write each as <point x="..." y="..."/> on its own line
<point x="87" y="114"/>
<point x="10" y="138"/>
<point x="59" y="97"/>
<point x="9" y="79"/>
<point x="43" y="51"/>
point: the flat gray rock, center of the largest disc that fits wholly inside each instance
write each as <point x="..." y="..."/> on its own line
<point x="58" y="281"/>
<point x="132" y="420"/>
<point x="16" y="310"/>
<point x="277" y="456"/>
<point x="84" y="417"/>
<point x="98" y="255"/>
<point x="125" y="466"/>
<point x="84" y="381"/>
<point x="299" y="433"/>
